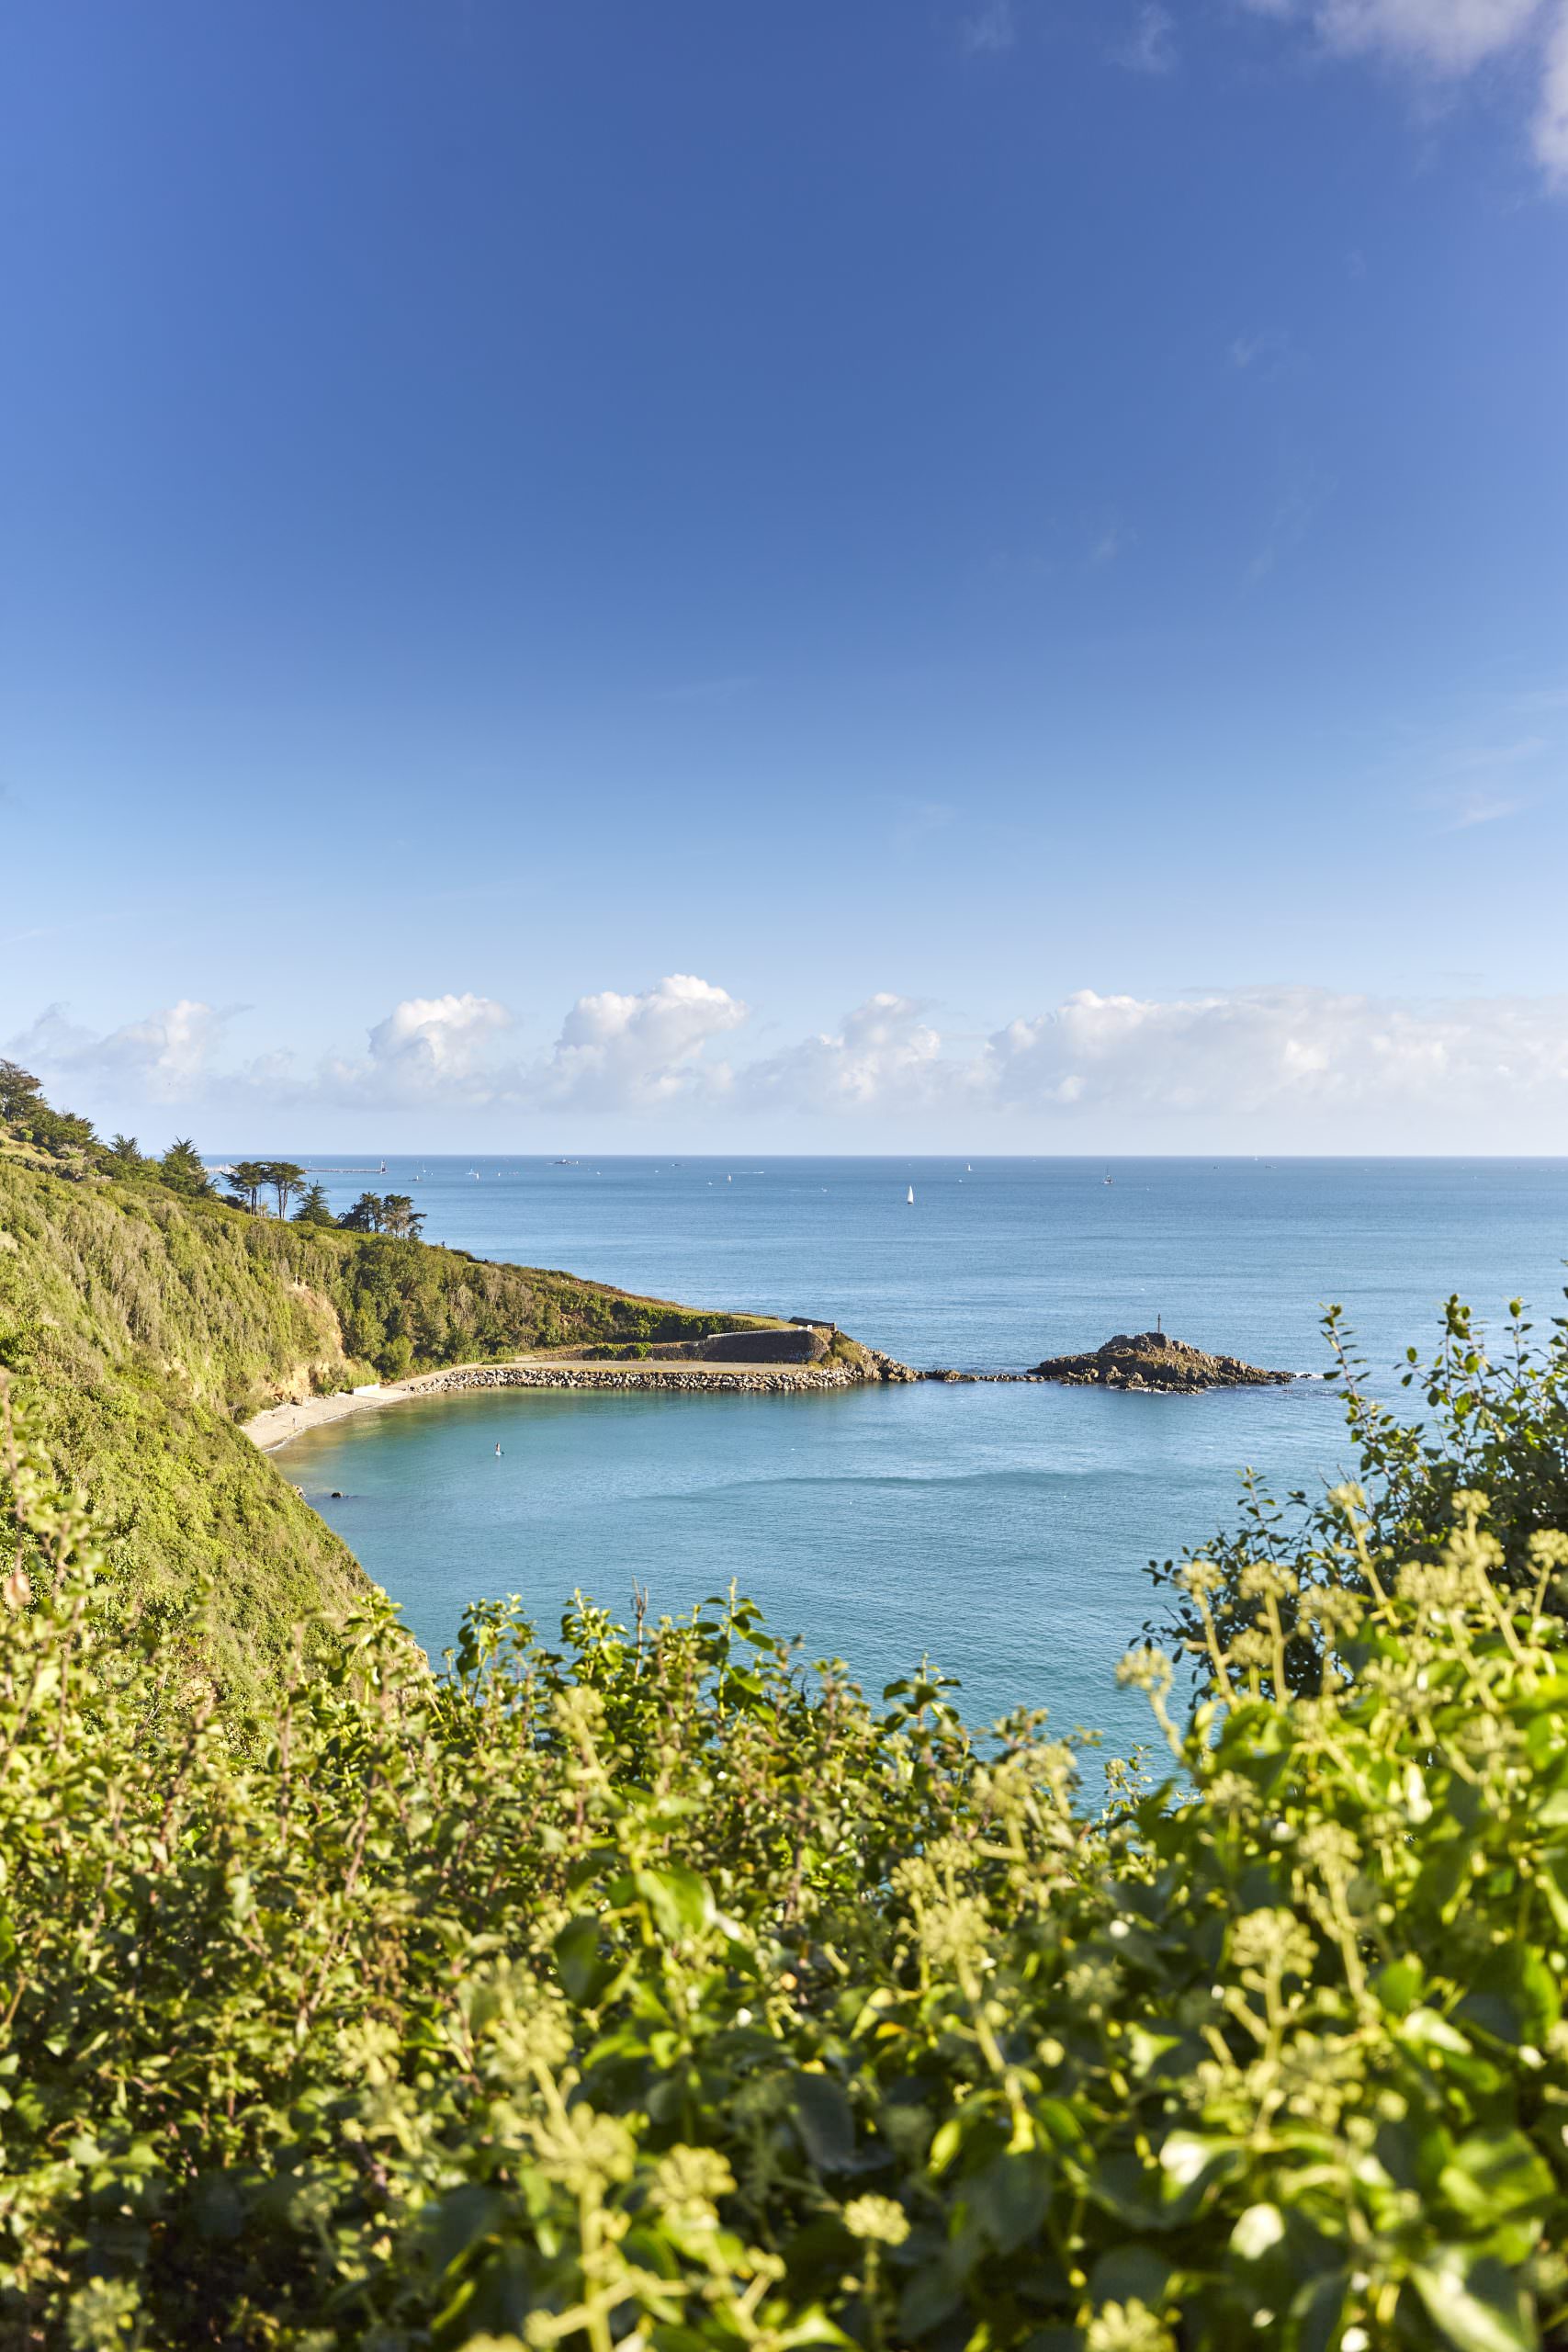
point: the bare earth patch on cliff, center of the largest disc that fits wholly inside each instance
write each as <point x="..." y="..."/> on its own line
<point x="1151" y="1360"/>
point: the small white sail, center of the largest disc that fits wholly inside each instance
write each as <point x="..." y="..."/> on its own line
<point x="911" y="1197"/>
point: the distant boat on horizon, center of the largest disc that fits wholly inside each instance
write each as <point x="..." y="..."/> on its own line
<point x="911" y="1197"/>
<point x="1106" y="1179"/>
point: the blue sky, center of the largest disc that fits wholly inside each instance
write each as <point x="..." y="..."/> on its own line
<point x="987" y="575"/>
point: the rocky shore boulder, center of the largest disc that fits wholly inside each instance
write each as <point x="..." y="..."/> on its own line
<point x="1152" y="1360"/>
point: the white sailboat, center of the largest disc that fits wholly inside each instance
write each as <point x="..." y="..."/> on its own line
<point x="911" y="1197"/>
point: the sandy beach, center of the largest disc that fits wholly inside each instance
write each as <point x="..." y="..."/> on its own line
<point x="278" y="1423"/>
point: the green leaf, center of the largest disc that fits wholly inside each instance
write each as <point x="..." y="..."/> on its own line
<point x="1124" y="2186"/>
<point x="463" y="2217"/>
<point x="1192" y="2164"/>
<point x="1131" y="2274"/>
<point x="1146" y="2048"/>
<point x="1316" y="2312"/>
<point x="1494" y="2176"/>
<point x="678" y="1899"/>
<point x="1399" y="1985"/>
<point x="583" y="1973"/>
<point x="826" y="2122"/>
<point x="1473" y="2302"/>
<point x="932" y="2295"/>
<point x="1008" y="2197"/>
<point x="1426" y="2031"/>
<point x="1511" y="1993"/>
<point x="812" y="2327"/>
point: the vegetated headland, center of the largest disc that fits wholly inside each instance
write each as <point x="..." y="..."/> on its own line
<point x="153" y="1321"/>
<point x="642" y="1988"/>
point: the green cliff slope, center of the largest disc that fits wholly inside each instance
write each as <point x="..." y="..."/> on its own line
<point x="143" y="1326"/>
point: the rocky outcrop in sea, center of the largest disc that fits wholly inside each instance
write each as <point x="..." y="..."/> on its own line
<point x="1152" y="1360"/>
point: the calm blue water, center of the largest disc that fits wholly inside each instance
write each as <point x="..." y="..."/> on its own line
<point x="1003" y="1530"/>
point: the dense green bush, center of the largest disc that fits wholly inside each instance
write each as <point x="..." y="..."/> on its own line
<point x="654" y="1992"/>
<point x="1497" y="1426"/>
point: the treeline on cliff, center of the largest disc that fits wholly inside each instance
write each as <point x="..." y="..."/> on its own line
<point x="400" y="1305"/>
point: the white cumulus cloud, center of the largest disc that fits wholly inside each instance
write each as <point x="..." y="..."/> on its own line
<point x="164" y="1054"/>
<point x="640" y="1052"/>
<point x="1551" y="104"/>
<point x="437" y="1036"/>
<point x="1299" y="1054"/>
<point x="1313" y="1067"/>
<point x="1450" y="38"/>
<point x="885" y="1056"/>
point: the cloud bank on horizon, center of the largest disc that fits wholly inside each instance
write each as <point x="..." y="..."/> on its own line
<point x="1269" y="1067"/>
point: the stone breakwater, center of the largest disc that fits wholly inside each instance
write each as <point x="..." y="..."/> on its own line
<point x="754" y="1381"/>
<point x="291" y="1417"/>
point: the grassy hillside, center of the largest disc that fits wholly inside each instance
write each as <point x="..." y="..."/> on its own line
<point x="143" y="1325"/>
<point x="137" y="1323"/>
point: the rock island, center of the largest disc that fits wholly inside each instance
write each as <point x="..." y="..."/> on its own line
<point x="1152" y="1360"/>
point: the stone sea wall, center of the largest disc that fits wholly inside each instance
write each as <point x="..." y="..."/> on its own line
<point x="784" y="1381"/>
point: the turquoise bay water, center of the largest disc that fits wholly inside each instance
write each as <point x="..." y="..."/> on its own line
<point x="1004" y="1530"/>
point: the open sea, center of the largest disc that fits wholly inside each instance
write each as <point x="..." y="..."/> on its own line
<point x="1004" y="1531"/>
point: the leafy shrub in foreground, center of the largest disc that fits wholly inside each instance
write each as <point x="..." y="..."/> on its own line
<point x="1496" y="1428"/>
<point x="653" y="1993"/>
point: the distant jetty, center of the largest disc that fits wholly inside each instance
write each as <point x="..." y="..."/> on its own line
<point x="1151" y="1360"/>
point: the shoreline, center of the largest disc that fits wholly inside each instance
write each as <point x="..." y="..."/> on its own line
<point x="278" y="1425"/>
